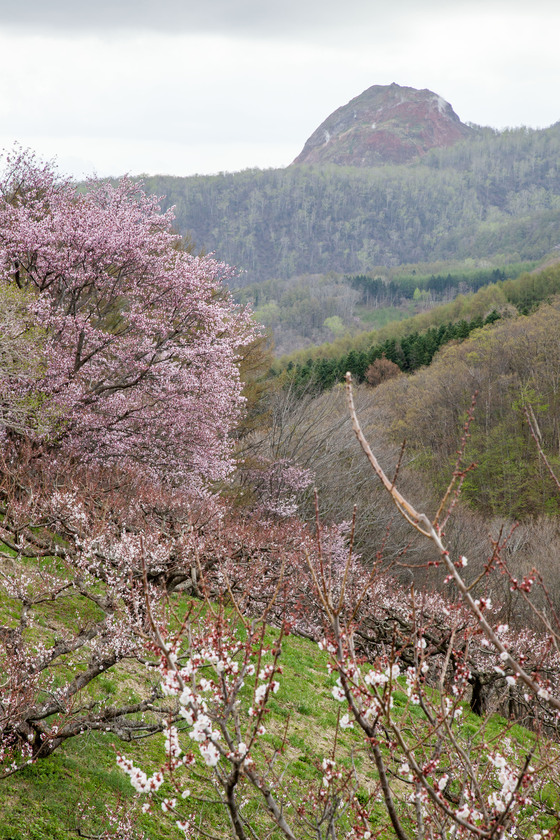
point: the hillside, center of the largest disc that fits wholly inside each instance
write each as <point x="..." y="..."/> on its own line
<point x="81" y="792"/>
<point x="268" y="660"/>
<point x="495" y="196"/>
<point x="311" y="310"/>
<point x="521" y="291"/>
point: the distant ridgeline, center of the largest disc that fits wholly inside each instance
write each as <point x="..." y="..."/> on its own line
<point x="408" y="354"/>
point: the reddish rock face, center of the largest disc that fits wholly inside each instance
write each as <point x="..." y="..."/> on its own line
<point x="385" y="124"/>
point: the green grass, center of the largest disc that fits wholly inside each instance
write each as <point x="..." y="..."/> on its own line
<point x="46" y="799"/>
<point x="375" y="319"/>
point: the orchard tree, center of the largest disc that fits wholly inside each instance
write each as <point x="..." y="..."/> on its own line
<point x="403" y="666"/>
<point x="119" y="394"/>
<point x="140" y="336"/>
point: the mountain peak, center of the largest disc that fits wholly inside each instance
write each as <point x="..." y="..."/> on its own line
<point x="384" y="124"/>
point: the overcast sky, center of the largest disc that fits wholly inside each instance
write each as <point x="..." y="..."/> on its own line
<point x="186" y="86"/>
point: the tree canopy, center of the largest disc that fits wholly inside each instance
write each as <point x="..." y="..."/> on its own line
<point x="139" y="337"/>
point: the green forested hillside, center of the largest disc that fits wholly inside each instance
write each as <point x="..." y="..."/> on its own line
<point x="412" y="343"/>
<point x="316" y="309"/>
<point x="512" y="367"/>
<point x="497" y="194"/>
<point x="456" y="350"/>
<point x="509" y="364"/>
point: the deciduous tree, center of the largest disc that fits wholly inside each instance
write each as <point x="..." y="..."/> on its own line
<point x="436" y="776"/>
<point x="140" y="337"/>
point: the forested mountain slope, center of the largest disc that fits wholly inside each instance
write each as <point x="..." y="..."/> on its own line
<point x="425" y="372"/>
<point x="496" y="195"/>
<point x="512" y="367"/>
<point x="314" y="309"/>
<point x="522" y="293"/>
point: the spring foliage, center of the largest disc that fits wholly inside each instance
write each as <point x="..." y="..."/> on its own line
<point x="140" y="337"/>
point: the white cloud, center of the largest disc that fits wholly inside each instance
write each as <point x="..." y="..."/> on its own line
<point x="242" y="18"/>
<point x="182" y="87"/>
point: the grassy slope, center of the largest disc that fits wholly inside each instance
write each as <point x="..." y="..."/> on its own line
<point x="44" y="801"/>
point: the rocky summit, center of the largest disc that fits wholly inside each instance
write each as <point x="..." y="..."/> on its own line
<point x="385" y="124"/>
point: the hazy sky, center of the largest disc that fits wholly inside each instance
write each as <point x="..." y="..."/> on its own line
<point x="179" y="87"/>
